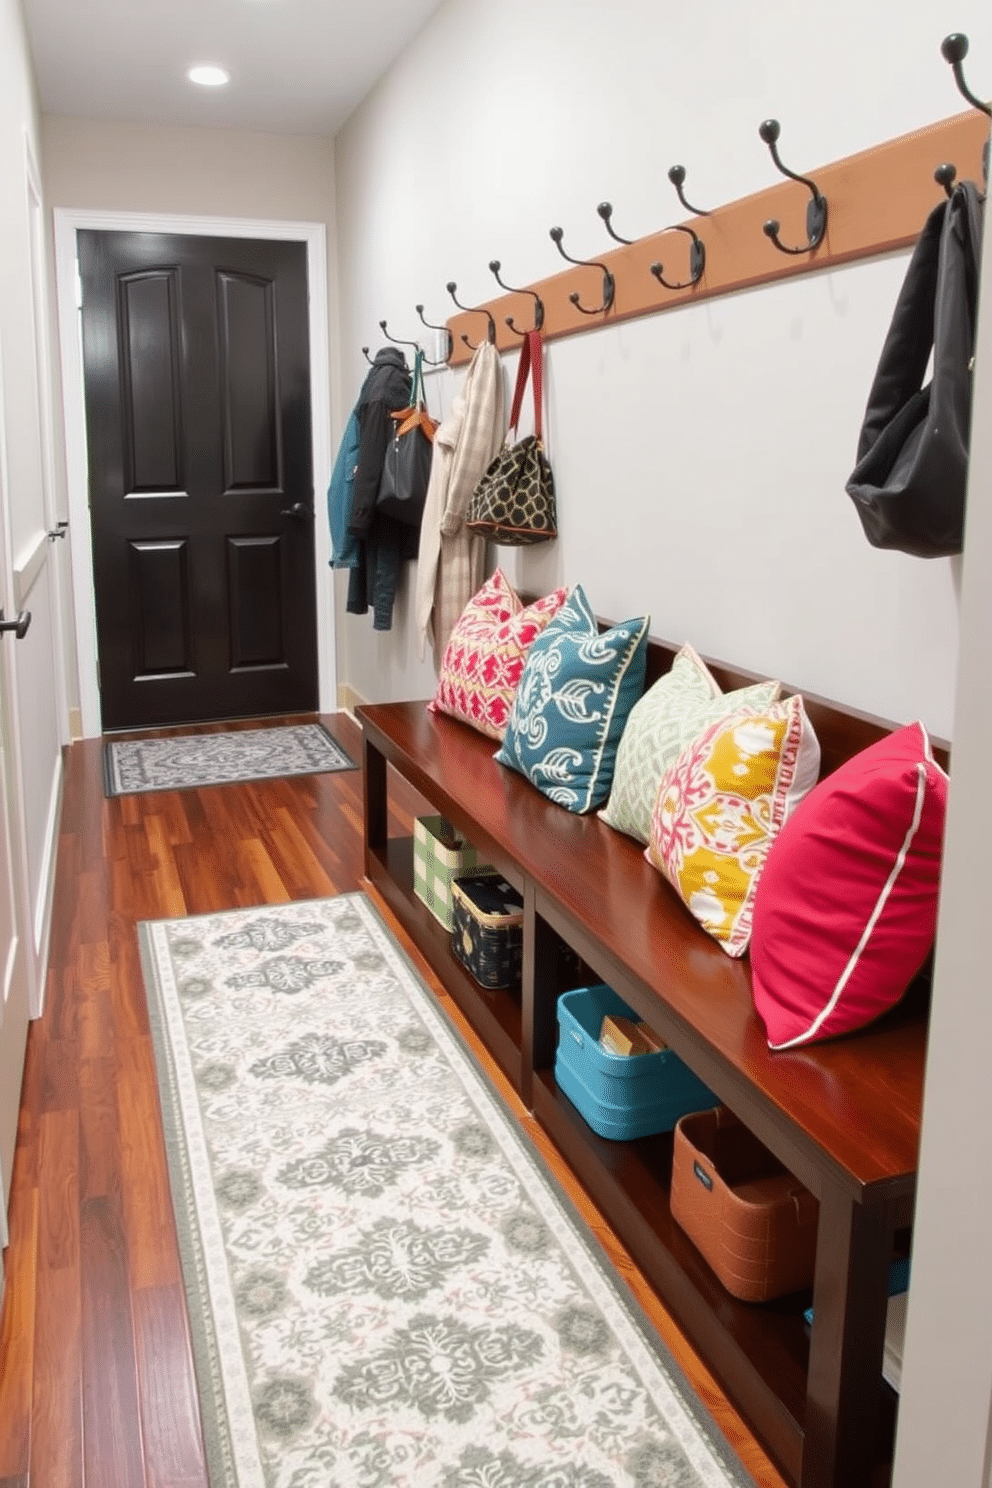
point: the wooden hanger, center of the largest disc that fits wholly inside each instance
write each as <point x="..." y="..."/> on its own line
<point x="415" y="418"/>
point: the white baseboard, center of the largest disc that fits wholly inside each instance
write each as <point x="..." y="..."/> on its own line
<point x="46" y="888"/>
<point x="895" y="1338"/>
<point x="348" y="698"/>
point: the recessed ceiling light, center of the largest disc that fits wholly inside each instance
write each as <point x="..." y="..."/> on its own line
<point x="209" y="76"/>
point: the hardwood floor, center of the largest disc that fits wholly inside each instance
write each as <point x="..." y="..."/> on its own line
<point x="96" y="1379"/>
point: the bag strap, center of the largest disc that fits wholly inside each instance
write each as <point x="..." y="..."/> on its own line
<point x="531" y="356"/>
<point x="905" y="353"/>
<point x="418" y="393"/>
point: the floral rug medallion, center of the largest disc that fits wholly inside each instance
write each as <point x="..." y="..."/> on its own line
<point x="386" y="1290"/>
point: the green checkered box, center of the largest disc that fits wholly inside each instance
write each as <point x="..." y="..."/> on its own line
<point x="440" y="853"/>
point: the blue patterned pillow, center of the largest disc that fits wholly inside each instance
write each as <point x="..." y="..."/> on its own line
<point x="570" y="708"/>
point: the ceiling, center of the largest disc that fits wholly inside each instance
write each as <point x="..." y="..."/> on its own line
<point x="297" y="66"/>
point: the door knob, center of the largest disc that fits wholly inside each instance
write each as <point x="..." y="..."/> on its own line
<point x="19" y="625"/>
<point x="299" y="510"/>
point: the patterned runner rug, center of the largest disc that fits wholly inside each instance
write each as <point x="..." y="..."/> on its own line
<point x="386" y="1289"/>
<point x="191" y="760"/>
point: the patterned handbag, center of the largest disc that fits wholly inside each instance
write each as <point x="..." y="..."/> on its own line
<point x="514" y="503"/>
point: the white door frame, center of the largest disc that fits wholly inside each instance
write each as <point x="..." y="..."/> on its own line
<point x="59" y="566"/>
<point x="67" y="222"/>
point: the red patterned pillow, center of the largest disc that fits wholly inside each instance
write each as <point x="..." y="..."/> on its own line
<point x="484" y="658"/>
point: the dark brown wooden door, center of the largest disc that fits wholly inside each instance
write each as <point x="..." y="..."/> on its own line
<point x="197" y="377"/>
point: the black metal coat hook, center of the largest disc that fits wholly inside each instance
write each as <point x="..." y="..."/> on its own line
<point x="954" y="49"/>
<point x="677" y="177"/>
<point x="944" y="176"/>
<point x="395" y="339"/>
<point x="365" y="354"/>
<point x="432" y="327"/>
<point x="605" y="211"/>
<point x="816" y="210"/>
<point x="609" y="284"/>
<point x="697" y="260"/>
<point x="494" y="268"/>
<point x="475" y="310"/>
<point x="416" y="344"/>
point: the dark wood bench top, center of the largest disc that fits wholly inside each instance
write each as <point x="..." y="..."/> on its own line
<point x="852" y="1105"/>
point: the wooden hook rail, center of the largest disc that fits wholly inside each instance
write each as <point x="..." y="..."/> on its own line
<point x="878" y="200"/>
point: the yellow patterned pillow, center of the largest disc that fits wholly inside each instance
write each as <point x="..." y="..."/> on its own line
<point x="720" y="806"/>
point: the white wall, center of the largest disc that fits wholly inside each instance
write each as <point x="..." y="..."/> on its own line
<point x="700" y="454"/>
<point x="207" y="172"/>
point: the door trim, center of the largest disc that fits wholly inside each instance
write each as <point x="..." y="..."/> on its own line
<point x="67" y="222"/>
<point x="44" y="360"/>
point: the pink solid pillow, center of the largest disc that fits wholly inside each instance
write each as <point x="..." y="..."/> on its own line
<point x="846" y="910"/>
<point x="484" y="659"/>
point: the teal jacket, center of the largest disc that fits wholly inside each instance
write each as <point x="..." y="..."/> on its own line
<point x="345" y="546"/>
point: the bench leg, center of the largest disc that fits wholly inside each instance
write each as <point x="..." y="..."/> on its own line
<point x="374" y="800"/>
<point x="541" y="988"/>
<point x="850" y="1297"/>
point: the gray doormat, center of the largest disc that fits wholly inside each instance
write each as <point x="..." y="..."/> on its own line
<point x="131" y="766"/>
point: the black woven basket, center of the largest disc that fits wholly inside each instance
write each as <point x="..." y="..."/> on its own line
<point x="487" y="933"/>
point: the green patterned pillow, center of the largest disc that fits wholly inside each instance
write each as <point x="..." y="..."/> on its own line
<point x="670" y="715"/>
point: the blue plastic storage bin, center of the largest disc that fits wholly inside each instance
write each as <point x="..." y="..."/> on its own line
<point x="621" y="1097"/>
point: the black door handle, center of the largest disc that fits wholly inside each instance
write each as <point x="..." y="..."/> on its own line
<point x="19" y="626"/>
<point x="299" y="510"/>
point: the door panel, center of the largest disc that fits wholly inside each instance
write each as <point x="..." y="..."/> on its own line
<point x="257" y="601"/>
<point x="149" y="350"/>
<point x="160" y="599"/>
<point x="196" y="366"/>
<point x="249" y="391"/>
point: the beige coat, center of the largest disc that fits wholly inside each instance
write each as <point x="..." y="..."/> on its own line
<point x="450" y="564"/>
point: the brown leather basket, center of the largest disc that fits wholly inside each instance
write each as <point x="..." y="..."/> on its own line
<point x="752" y="1220"/>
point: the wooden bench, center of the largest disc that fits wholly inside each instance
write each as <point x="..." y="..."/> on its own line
<point x="844" y="1116"/>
